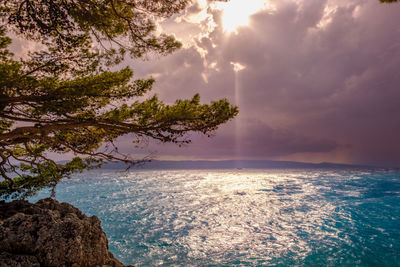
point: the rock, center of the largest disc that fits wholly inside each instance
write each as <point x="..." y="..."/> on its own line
<point x="50" y="233"/>
<point x="7" y="259"/>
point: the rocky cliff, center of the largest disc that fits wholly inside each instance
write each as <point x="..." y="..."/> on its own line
<point x="50" y="233"/>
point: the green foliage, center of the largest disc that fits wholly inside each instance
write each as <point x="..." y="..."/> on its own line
<point x="70" y="26"/>
<point x="65" y="99"/>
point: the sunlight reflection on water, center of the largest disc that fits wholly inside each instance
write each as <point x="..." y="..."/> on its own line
<point x="244" y="217"/>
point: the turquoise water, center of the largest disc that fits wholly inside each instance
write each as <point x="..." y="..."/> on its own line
<point x="244" y="217"/>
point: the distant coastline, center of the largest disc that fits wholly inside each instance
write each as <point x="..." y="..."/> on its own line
<point x="233" y="164"/>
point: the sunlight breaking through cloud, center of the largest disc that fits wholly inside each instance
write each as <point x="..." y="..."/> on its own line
<point x="237" y="66"/>
<point x="236" y="13"/>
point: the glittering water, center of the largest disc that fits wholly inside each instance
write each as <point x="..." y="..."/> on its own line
<point x="245" y="217"/>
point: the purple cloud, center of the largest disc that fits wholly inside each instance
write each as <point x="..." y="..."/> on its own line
<point x="320" y="82"/>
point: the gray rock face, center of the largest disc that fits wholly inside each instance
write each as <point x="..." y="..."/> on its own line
<point x="50" y="233"/>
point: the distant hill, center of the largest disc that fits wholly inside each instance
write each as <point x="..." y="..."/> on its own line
<point x="229" y="164"/>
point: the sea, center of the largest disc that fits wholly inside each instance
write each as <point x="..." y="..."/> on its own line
<point x="243" y="217"/>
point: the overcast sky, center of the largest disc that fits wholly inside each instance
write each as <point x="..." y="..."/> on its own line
<point x="314" y="80"/>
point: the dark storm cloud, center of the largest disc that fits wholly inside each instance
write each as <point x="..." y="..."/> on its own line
<point x="321" y="77"/>
<point x="255" y="139"/>
<point x="252" y="140"/>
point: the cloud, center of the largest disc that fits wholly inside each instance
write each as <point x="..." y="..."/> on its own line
<point x="320" y="78"/>
<point x="250" y="140"/>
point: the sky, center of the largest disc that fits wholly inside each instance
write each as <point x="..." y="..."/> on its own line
<point x="315" y="80"/>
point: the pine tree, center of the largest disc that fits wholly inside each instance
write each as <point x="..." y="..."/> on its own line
<point x="65" y="99"/>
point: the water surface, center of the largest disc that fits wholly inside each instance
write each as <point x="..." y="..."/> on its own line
<point x="244" y="217"/>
